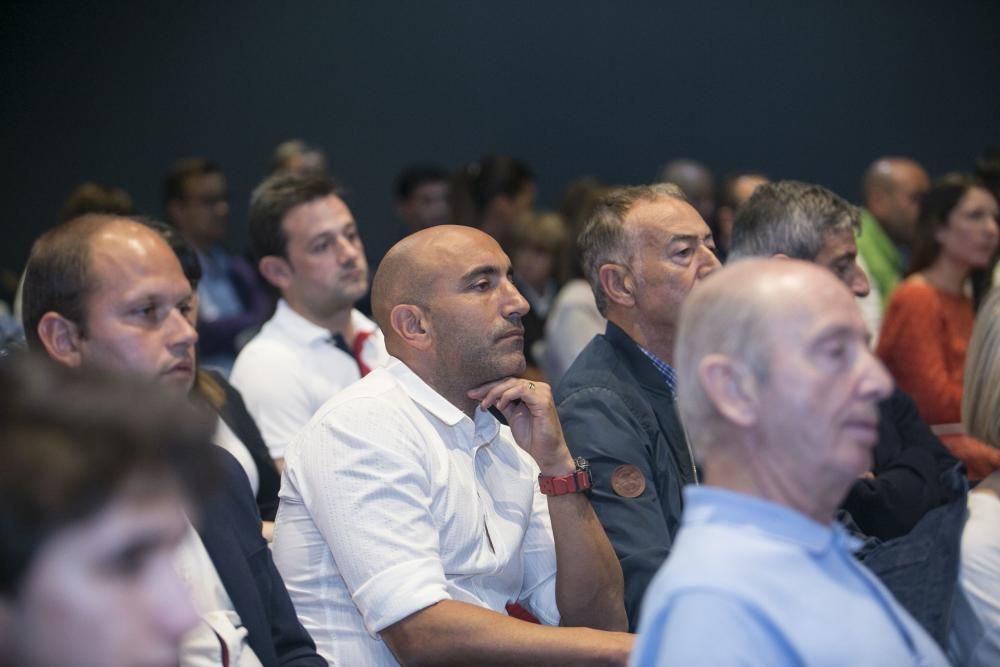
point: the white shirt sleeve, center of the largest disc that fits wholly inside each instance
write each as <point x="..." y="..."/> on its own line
<point x="539" y="558"/>
<point x="370" y="497"/>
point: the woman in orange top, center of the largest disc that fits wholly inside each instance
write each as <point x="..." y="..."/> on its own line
<point x="929" y="320"/>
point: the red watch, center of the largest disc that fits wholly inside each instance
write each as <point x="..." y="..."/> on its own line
<point x="575" y="482"/>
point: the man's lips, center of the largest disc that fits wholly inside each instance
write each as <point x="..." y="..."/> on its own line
<point x="513" y="333"/>
<point x="180" y="368"/>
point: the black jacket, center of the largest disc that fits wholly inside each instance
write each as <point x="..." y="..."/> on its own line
<point x="229" y="527"/>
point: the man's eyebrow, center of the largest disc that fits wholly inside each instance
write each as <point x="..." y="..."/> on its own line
<point x="485" y="270"/>
<point x="686" y="238"/>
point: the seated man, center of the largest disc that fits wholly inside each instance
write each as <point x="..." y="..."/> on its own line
<point x="232" y="303"/>
<point x="410" y="517"/>
<point x="92" y="486"/>
<point x="308" y="247"/>
<point x="107" y="291"/>
<point x="810" y="223"/>
<point x="781" y="400"/>
<point x="643" y="250"/>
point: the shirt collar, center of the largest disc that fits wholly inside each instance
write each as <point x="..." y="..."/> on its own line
<point x="483" y="428"/>
<point x="665" y="370"/>
<point x="712" y="504"/>
<point x="305" y="332"/>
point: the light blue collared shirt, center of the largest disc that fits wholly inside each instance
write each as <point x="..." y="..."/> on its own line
<point x="750" y="582"/>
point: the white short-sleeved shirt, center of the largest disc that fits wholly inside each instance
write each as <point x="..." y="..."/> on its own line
<point x="289" y="369"/>
<point x="393" y="499"/>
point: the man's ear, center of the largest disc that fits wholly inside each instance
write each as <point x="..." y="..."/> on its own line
<point x="411" y="325"/>
<point x="276" y="270"/>
<point x="618" y="284"/>
<point x="731" y="387"/>
<point x="61" y="338"/>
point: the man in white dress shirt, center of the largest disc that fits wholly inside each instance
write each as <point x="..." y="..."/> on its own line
<point x="307" y="246"/>
<point x="410" y="516"/>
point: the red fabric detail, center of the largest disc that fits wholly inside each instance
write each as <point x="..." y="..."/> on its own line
<point x="359" y="342"/>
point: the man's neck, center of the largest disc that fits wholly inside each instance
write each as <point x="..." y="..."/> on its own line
<point x="336" y="323"/>
<point x="756" y="478"/>
<point x="656" y="340"/>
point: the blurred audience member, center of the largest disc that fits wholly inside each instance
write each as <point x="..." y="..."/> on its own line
<point x="231" y="302"/>
<point x="422" y="193"/>
<point x="574" y="318"/>
<point x="296" y="155"/>
<point x="644" y="249"/>
<point x="307" y="246"/>
<point x="93" y="197"/>
<point x="105" y="291"/>
<point x="96" y="474"/>
<point x="696" y="182"/>
<point x="930" y="316"/>
<point x="975" y="638"/>
<point x="780" y="394"/>
<point x="808" y="222"/>
<point x="537" y="243"/>
<point x="893" y="189"/>
<point x="492" y="194"/>
<point x="735" y="190"/>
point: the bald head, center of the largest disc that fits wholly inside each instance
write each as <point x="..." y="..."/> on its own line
<point x="781" y="390"/>
<point x="448" y="308"/>
<point x="59" y="275"/>
<point x="894" y="188"/>
<point x="408" y="272"/>
<point x="735" y="313"/>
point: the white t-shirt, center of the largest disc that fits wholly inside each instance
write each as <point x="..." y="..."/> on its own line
<point x="288" y="370"/>
<point x="393" y="499"/>
<point x="975" y="634"/>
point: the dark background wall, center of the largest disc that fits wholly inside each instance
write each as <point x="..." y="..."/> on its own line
<point x="114" y="91"/>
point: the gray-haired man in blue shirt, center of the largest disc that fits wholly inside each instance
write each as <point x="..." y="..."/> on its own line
<point x="781" y="401"/>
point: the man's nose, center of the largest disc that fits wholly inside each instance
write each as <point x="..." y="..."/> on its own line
<point x="859" y="283"/>
<point x="182" y="330"/>
<point x="515" y="303"/>
<point x="876" y="381"/>
<point x="347" y="250"/>
<point x="709" y="261"/>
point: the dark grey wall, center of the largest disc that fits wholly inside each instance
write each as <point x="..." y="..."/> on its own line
<point x="114" y="91"/>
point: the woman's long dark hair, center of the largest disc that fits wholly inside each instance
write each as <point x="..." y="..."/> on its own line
<point x="940" y="201"/>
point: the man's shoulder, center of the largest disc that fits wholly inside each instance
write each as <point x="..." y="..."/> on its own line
<point x="600" y="365"/>
<point x="377" y="401"/>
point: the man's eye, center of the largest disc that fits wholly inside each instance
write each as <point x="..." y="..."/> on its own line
<point x="684" y="253"/>
<point x="481" y="286"/>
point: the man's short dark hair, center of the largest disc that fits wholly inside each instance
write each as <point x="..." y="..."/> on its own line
<point x="93" y="197"/>
<point x="790" y="218"/>
<point x="181" y="171"/>
<point x="72" y="441"/>
<point x="271" y="202"/>
<point x="416" y="175"/>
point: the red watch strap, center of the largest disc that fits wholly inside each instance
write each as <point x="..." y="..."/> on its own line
<point x="558" y="485"/>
